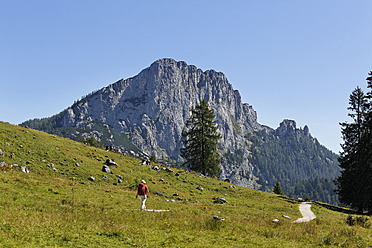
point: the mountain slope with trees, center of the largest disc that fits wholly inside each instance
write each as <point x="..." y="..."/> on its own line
<point x="151" y="110"/>
<point x="296" y="160"/>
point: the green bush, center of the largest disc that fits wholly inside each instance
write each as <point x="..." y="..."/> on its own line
<point x="358" y="220"/>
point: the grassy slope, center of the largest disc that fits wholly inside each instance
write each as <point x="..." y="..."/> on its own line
<point x="62" y="208"/>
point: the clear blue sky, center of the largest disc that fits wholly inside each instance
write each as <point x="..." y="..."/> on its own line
<point x="295" y="59"/>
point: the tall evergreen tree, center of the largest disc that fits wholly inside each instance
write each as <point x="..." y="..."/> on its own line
<point x="200" y="141"/>
<point x="354" y="184"/>
<point x="277" y="188"/>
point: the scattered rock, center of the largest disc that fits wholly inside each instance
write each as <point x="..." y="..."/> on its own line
<point x="119" y="176"/>
<point x="54" y="169"/>
<point x="146" y="162"/>
<point x="110" y="162"/>
<point x="218" y="218"/>
<point x="106" y="169"/>
<point x="105" y="177"/>
<point x="175" y="194"/>
<point x="91" y="179"/>
<point x="63" y="164"/>
<point x="233" y="186"/>
<point x="77" y="164"/>
<point x="7" y="144"/>
<point x="120" y="181"/>
<point x="275" y="221"/>
<point x="1" y="153"/>
<point x="200" y="188"/>
<point x="220" y="200"/>
<point x="156" y="168"/>
<point x="24" y="169"/>
<point x="168" y="170"/>
<point x="159" y="194"/>
<point x="285" y="216"/>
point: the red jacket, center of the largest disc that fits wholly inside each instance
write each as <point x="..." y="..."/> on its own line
<point x="142" y="189"/>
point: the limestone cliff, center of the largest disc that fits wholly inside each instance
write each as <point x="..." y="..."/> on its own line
<point x="152" y="108"/>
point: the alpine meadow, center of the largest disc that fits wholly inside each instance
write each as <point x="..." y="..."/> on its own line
<point x="48" y="198"/>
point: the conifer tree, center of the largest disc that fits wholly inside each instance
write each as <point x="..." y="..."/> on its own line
<point x="354" y="184"/>
<point x="200" y="141"/>
<point x="277" y="188"/>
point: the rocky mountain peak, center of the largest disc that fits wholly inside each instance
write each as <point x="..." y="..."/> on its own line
<point x="151" y="109"/>
<point x="286" y="127"/>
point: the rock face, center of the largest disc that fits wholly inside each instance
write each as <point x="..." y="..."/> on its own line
<point x="153" y="106"/>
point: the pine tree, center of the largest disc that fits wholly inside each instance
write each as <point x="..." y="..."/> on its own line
<point x="200" y="141"/>
<point x="277" y="188"/>
<point x="354" y="184"/>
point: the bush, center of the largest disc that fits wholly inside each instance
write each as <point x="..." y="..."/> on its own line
<point x="359" y="220"/>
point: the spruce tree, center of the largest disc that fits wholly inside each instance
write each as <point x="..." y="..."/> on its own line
<point x="277" y="188"/>
<point x="200" y="141"/>
<point x="355" y="182"/>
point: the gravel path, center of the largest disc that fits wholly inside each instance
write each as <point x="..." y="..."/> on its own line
<point x="305" y="209"/>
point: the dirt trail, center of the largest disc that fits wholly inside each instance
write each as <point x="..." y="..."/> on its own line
<point x="305" y="209"/>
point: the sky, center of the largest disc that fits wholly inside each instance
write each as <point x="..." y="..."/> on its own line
<point x="297" y="60"/>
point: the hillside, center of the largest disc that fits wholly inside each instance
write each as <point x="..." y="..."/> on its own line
<point x="148" y="112"/>
<point x="63" y="208"/>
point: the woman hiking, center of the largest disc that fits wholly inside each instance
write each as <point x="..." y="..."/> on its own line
<point x="142" y="192"/>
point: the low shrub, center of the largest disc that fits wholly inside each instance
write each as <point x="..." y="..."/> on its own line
<point x="358" y="220"/>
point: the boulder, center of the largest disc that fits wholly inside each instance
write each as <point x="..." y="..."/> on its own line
<point x="92" y="179"/>
<point x="218" y="218"/>
<point x="146" y="162"/>
<point x="220" y="200"/>
<point x="1" y="153"/>
<point x="106" y="169"/>
<point x="200" y="188"/>
<point x="25" y="169"/>
<point x="168" y="170"/>
<point x="110" y="162"/>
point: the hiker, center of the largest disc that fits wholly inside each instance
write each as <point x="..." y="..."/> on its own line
<point x="142" y="192"/>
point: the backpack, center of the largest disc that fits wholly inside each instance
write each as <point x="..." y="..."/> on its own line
<point x="141" y="189"/>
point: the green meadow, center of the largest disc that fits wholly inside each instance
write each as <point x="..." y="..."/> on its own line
<point x="56" y="205"/>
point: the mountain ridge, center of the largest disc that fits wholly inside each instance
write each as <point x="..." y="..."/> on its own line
<point x="151" y="109"/>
